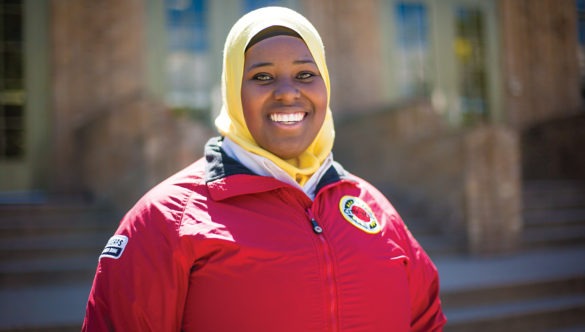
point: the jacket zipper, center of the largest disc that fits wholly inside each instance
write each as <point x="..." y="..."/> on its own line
<point x="329" y="272"/>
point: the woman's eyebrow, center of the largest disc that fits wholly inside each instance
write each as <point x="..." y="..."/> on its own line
<point x="303" y="61"/>
<point x="260" y="64"/>
<point x="269" y="64"/>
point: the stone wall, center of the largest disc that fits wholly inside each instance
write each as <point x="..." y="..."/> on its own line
<point x="129" y="150"/>
<point x="539" y="53"/>
<point x="112" y="140"/>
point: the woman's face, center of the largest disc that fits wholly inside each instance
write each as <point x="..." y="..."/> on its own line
<point x="284" y="98"/>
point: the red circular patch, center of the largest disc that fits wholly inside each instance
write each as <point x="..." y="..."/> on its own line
<point x="360" y="213"/>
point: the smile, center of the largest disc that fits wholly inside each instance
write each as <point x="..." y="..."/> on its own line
<point x="287" y="118"/>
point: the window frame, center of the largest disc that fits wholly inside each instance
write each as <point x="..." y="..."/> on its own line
<point x="443" y="80"/>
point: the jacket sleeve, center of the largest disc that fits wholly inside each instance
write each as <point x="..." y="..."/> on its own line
<point x="142" y="278"/>
<point x="426" y="312"/>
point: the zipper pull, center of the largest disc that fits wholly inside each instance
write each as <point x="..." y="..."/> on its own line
<point x="316" y="228"/>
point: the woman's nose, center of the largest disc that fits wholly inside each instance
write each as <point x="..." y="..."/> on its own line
<point x="286" y="91"/>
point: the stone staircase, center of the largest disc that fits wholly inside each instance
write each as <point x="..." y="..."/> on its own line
<point x="554" y="213"/>
<point x="48" y="256"/>
<point x="539" y="288"/>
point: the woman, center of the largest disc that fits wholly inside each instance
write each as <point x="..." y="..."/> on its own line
<point x="266" y="232"/>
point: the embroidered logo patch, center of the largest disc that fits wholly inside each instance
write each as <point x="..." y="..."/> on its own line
<point x="359" y="214"/>
<point x="115" y="247"/>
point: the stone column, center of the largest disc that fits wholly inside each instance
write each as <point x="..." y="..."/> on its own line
<point x="492" y="186"/>
<point x="351" y="33"/>
<point x="97" y="68"/>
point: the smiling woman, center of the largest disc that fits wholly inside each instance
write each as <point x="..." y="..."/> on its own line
<point x="310" y="66"/>
<point x="266" y="232"/>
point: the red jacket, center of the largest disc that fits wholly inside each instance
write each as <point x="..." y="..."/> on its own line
<point x="216" y="248"/>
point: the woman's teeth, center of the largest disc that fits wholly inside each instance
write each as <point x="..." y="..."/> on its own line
<point x="287" y="117"/>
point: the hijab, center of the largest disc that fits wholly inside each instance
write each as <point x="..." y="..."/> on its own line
<point x="230" y="121"/>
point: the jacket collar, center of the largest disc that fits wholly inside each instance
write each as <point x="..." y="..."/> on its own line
<point x="226" y="177"/>
<point x="219" y="165"/>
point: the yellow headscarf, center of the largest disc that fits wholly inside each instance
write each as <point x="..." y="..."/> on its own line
<point x="231" y="122"/>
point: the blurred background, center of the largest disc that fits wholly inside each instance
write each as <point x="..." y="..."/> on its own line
<point x="467" y="114"/>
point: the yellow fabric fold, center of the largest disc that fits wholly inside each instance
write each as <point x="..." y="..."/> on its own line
<point x="231" y="122"/>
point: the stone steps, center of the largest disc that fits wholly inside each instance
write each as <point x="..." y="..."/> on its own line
<point x="536" y="290"/>
<point x="539" y="288"/>
<point x="579" y="328"/>
<point x="53" y="243"/>
<point x="48" y="271"/>
<point x="47" y="308"/>
<point x="553" y="193"/>
<point x="48" y="257"/>
<point x="527" y="306"/>
<point x="60" y="218"/>
<point x="533" y="315"/>
<point x="553" y="213"/>
<point x="553" y="236"/>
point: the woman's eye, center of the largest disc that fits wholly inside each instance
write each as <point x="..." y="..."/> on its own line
<point x="262" y="77"/>
<point x="305" y="75"/>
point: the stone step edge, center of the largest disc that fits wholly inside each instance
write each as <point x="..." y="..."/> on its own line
<point x="530" y="289"/>
<point x="54" y="241"/>
<point x="43" y="265"/>
<point x="514" y="309"/>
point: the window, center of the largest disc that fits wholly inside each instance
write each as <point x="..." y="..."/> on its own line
<point x="469" y="48"/>
<point x="187" y="62"/>
<point x="413" y="49"/>
<point x="446" y="51"/>
<point x="12" y="125"/>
